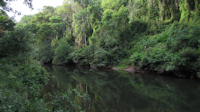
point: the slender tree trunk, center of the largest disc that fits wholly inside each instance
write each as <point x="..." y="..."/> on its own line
<point x="88" y="24"/>
<point x="161" y="7"/>
<point x="177" y="4"/>
<point x="86" y="88"/>
<point x="85" y="39"/>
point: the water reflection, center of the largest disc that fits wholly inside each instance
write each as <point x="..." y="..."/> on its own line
<point x="113" y="91"/>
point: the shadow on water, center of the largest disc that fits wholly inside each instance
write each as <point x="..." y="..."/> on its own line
<point x="120" y="91"/>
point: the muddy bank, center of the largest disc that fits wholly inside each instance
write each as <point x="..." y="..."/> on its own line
<point x="129" y="69"/>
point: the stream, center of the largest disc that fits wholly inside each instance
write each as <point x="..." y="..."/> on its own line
<point x="121" y="91"/>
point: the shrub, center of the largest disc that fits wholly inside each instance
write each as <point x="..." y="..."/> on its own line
<point x="66" y="101"/>
<point x="187" y="60"/>
<point x="136" y="58"/>
<point x="14" y="42"/>
<point x="83" y="56"/>
<point x="20" y="85"/>
<point x="62" y="52"/>
<point x="100" y="57"/>
<point x="45" y="52"/>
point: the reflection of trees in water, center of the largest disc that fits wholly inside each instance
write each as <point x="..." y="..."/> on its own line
<point x="122" y="91"/>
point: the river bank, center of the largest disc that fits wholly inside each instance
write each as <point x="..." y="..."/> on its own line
<point x="132" y="69"/>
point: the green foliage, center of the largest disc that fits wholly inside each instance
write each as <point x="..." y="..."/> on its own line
<point x="153" y="35"/>
<point x="21" y="85"/>
<point x="174" y="50"/>
<point x="83" y="56"/>
<point x="21" y="89"/>
<point x="6" y="23"/>
<point x="14" y="42"/>
<point x="21" y="80"/>
<point x="98" y="56"/>
<point x="137" y="27"/>
<point x="15" y="60"/>
<point x="136" y="58"/>
<point x="62" y="52"/>
<point x="187" y="60"/>
<point x="190" y="12"/>
<point x="26" y="19"/>
<point x="162" y="37"/>
<point x="45" y="52"/>
<point x="187" y="36"/>
<point x="101" y="58"/>
<point x="64" y="101"/>
<point x="45" y="32"/>
<point x="113" y="4"/>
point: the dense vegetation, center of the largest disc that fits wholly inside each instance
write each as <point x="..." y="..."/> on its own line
<point x="151" y="35"/>
<point x="23" y="78"/>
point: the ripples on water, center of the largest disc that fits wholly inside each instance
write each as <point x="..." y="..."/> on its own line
<point x="120" y="91"/>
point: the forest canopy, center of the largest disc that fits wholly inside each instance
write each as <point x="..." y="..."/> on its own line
<point x="151" y="35"/>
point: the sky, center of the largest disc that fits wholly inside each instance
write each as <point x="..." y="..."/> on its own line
<point x="37" y="4"/>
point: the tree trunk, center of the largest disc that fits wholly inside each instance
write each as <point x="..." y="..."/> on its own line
<point x="85" y="39"/>
<point x="86" y="89"/>
<point x="88" y="23"/>
<point x="177" y="4"/>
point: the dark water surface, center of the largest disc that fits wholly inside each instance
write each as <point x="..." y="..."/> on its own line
<point x="114" y="91"/>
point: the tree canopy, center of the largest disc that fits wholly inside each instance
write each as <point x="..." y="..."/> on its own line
<point x="110" y="32"/>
